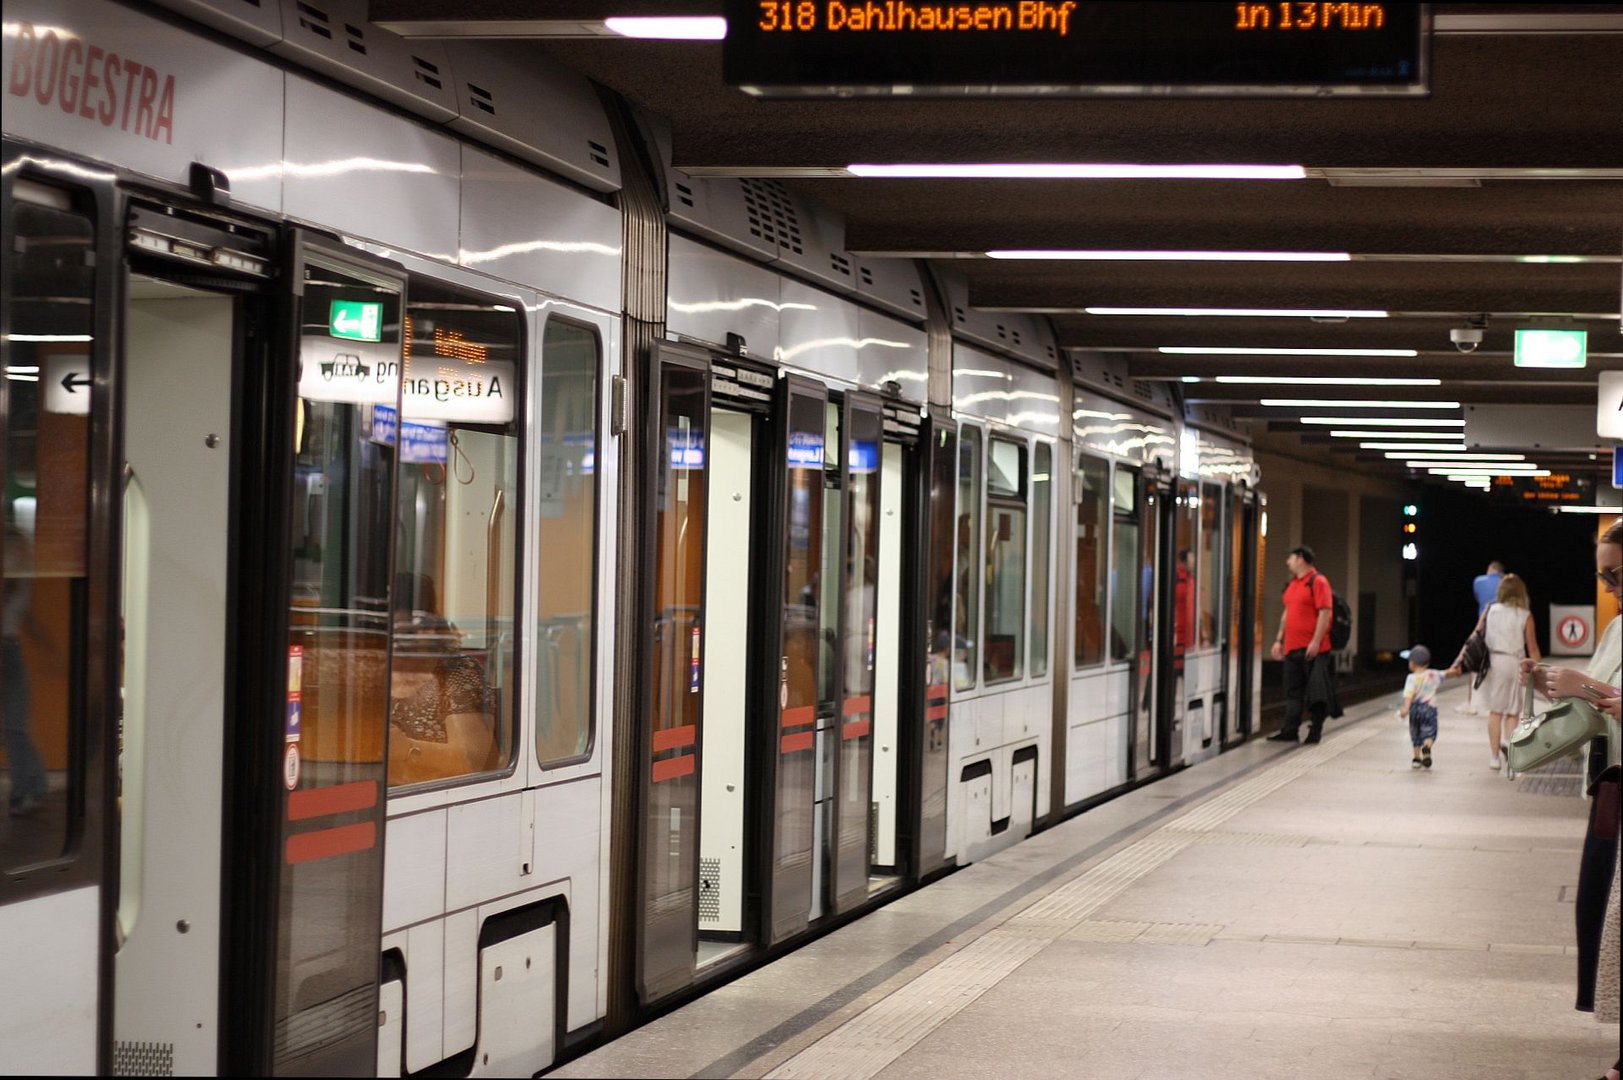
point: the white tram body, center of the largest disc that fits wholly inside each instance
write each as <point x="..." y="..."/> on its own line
<point x="660" y="581"/>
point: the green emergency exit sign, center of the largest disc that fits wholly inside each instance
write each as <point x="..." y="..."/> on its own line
<point x="1552" y="348"/>
<point x="356" y="320"/>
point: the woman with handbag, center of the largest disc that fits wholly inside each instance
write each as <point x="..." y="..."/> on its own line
<point x="1507" y="627"/>
<point x="1598" y="870"/>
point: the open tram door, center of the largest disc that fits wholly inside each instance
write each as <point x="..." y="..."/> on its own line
<point x="936" y="495"/>
<point x="58" y="582"/>
<point x="1156" y="738"/>
<point x="257" y="526"/>
<point x="1245" y="634"/>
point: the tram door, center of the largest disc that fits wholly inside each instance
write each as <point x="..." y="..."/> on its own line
<point x="1243" y="636"/>
<point x="938" y="537"/>
<point x="673" y="597"/>
<point x="850" y="740"/>
<point x="229" y="730"/>
<point x="57" y="666"/>
<point x="805" y="700"/>
<point x="1153" y="697"/>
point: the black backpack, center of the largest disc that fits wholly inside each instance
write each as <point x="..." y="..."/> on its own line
<point x="1340" y="616"/>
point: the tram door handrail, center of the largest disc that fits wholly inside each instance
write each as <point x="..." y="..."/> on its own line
<point x="131" y="773"/>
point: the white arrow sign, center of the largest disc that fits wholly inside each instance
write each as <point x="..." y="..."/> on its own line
<point x="1609" y="414"/>
<point x="66" y="381"/>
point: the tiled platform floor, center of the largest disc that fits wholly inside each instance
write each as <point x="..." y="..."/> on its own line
<point x="1308" y="912"/>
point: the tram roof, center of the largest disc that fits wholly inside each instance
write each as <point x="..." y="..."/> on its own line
<point x="1500" y="194"/>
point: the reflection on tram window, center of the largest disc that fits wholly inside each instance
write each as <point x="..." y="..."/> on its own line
<point x="828" y="576"/>
<point x="966" y="606"/>
<point x="45" y="496"/>
<point x="1042" y="489"/>
<point x="451" y="709"/>
<point x="566" y="519"/>
<point x="1005" y="561"/>
<point x="1185" y="597"/>
<point x="1124" y="558"/>
<point x="338" y="642"/>
<point x="1092" y="510"/>
<point x="1211" y="564"/>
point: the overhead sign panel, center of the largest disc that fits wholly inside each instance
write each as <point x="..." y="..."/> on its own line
<point x="1552" y="348"/>
<point x="839" y="48"/>
<point x="1557" y="489"/>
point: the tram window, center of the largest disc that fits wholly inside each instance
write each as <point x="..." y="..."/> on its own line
<point x="1042" y="492"/>
<point x="966" y="607"/>
<point x="1124" y="561"/>
<point x="451" y="708"/>
<point x="566" y="519"/>
<point x="44" y="566"/>
<point x="828" y="576"/>
<point x="1004" y="656"/>
<point x="1092" y="521"/>
<point x="1185" y="595"/>
<point x="1211" y="564"/>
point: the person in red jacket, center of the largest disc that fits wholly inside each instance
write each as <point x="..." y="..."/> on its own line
<point x="1303" y="643"/>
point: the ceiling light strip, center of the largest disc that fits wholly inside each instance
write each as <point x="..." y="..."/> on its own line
<point x="1073" y="171"/>
<point x="1305" y="380"/>
<point x="1171" y="256"/>
<point x="1386" y="421"/>
<point x="1350" y="403"/>
<point x="1245" y="313"/>
<point x="669" y="28"/>
<point x="1229" y="350"/>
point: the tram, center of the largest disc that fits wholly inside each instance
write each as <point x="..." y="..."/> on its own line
<point x="469" y="584"/>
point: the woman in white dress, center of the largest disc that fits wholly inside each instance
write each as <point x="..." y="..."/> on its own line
<point x="1507" y="626"/>
<point x="1596" y="909"/>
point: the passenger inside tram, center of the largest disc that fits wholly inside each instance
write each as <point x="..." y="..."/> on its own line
<point x="441" y="708"/>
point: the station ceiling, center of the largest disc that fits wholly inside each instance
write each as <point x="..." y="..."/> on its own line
<point x="1496" y="198"/>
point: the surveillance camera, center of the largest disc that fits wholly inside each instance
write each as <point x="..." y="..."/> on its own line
<point x="1466" y="338"/>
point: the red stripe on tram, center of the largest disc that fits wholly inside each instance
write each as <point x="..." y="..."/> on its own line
<point x="334" y="799"/>
<point x="800" y="714"/>
<point x="936" y="712"/>
<point x="327" y="843"/>
<point x="675" y="738"/>
<point x="671" y="768"/>
<point x="791" y="744"/>
<point x="856" y="729"/>
<point x="858" y="706"/>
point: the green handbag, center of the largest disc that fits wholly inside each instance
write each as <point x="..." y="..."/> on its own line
<point x="1561" y="731"/>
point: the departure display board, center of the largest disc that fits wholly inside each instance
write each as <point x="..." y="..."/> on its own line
<point x="849" y="48"/>
<point x="1557" y="489"/>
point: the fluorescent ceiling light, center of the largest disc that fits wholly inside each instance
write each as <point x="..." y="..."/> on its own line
<point x="671" y="28"/>
<point x="1227" y="350"/>
<point x="1175" y="256"/>
<point x="1502" y="468"/>
<point x="48" y="337"/>
<point x="1397" y="435"/>
<point x="1592" y="509"/>
<point x="1457" y="447"/>
<point x="1306" y="380"/>
<point x="1485" y="471"/>
<point x="1351" y="403"/>
<point x="1410" y="453"/>
<point x="1079" y="171"/>
<point x="1390" y="421"/>
<point x="1248" y="313"/>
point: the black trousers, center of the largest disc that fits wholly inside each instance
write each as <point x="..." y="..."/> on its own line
<point x="1297" y="669"/>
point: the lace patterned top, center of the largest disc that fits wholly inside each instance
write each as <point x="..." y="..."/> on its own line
<point x="458" y="686"/>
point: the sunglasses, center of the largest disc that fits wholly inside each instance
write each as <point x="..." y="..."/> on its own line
<point x="1609" y="576"/>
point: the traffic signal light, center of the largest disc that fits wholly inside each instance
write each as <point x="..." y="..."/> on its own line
<point x="1411" y="510"/>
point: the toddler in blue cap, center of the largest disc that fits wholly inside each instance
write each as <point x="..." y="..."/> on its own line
<point x="1420" y="704"/>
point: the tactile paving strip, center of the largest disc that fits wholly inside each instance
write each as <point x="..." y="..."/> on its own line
<point x="867" y="1043"/>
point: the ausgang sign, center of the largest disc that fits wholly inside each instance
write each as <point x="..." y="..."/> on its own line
<point x="837" y="48"/>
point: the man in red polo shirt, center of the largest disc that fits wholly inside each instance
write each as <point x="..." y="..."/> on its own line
<point x="1303" y="643"/>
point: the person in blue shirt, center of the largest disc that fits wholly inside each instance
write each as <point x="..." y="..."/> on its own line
<point x="1486" y="586"/>
<point x="1485" y="590"/>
